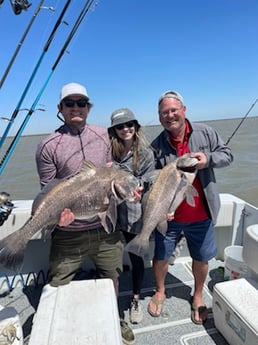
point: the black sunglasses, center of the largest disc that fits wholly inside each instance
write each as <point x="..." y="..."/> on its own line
<point x="128" y="124"/>
<point x="81" y="103"/>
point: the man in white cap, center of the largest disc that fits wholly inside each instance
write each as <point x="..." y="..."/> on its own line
<point x="60" y="155"/>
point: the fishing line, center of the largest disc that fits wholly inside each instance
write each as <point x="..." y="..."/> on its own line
<point x="20" y="43"/>
<point x="45" y="49"/>
<point x="243" y="119"/>
<point x="33" y="107"/>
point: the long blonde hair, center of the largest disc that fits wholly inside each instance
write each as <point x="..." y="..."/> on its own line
<point x="139" y="144"/>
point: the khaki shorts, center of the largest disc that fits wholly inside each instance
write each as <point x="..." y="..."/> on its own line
<point x="70" y="248"/>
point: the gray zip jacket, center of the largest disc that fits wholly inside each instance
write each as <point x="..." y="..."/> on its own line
<point x="130" y="213"/>
<point x="202" y="139"/>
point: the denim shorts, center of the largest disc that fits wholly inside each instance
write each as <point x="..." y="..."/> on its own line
<point x="69" y="249"/>
<point x="199" y="237"/>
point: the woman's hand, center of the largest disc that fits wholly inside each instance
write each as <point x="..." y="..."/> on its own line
<point x="138" y="193"/>
<point x="170" y="216"/>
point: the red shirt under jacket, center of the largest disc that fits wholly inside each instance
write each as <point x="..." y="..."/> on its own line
<point x="186" y="213"/>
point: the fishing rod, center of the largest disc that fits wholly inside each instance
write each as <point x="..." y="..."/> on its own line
<point x="240" y="123"/>
<point x="21" y="42"/>
<point x="32" y="109"/>
<point x="45" y="49"/>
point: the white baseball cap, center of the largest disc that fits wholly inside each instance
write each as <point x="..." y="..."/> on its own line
<point x="73" y="89"/>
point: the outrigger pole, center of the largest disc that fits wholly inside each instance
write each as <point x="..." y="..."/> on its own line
<point x="33" y="107"/>
<point x="50" y="39"/>
<point x="20" y="43"/>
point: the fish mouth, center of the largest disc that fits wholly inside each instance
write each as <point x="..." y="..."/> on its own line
<point x="190" y="169"/>
<point x="189" y="166"/>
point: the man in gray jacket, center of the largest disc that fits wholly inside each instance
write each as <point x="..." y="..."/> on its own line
<point x="179" y="137"/>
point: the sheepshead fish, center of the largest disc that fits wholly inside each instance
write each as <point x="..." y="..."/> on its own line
<point x="93" y="192"/>
<point x="172" y="185"/>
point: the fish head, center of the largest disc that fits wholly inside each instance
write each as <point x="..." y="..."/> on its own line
<point x="186" y="162"/>
<point x="123" y="186"/>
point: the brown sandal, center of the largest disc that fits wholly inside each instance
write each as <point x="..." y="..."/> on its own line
<point x="202" y="311"/>
<point x="158" y="306"/>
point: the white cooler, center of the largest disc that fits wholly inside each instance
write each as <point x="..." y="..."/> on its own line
<point x="235" y="311"/>
<point x="82" y="312"/>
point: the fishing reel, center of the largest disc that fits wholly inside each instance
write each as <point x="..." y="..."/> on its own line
<point x="6" y="207"/>
<point x="19" y="5"/>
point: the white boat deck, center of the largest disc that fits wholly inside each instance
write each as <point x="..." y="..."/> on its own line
<point x="174" y="324"/>
<point x="22" y="291"/>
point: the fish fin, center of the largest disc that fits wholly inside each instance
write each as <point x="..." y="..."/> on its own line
<point x="162" y="227"/>
<point x="189" y="176"/>
<point x="44" y="233"/>
<point x="139" y="247"/>
<point x="118" y="191"/>
<point x="86" y="165"/>
<point x="103" y="220"/>
<point x="144" y="200"/>
<point x="190" y="194"/>
<point x="109" y="217"/>
<point x="10" y="260"/>
<point x="12" y="252"/>
<point x="113" y="189"/>
<point x="13" y="246"/>
<point x="88" y="169"/>
<point x="39" y="234"/>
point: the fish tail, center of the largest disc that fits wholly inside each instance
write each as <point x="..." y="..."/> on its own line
<point x="139" y="247"/>
<point x="12" y="251"/>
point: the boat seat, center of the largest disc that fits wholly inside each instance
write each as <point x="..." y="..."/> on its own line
<point x="228" y="222"/>
<point x="226" y="213"/>
<point x="81" y="312"/>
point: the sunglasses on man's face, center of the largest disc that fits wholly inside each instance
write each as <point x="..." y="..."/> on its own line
<point x="128" y="124"/>
<point x="81" y="103"/>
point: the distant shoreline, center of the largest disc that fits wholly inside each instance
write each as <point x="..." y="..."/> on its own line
<point x="156" y="125"/>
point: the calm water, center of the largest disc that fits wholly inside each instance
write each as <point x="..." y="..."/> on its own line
<point x="20" y="179"/>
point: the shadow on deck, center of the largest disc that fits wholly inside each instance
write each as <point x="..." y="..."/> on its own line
<point x="173" y="325"/>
